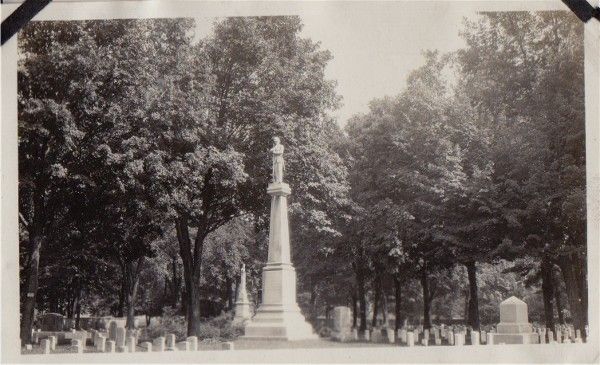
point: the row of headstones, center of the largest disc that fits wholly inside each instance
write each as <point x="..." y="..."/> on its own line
<point x="453" y="337"/>
<point x="561" y="334"/>
<point x="103" y="344"/>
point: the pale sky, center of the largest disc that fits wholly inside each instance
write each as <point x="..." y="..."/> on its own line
<point x="375" y="46"/>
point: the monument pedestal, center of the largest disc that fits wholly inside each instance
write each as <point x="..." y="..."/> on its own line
<point x="514" y="327"/>
<point x="279" y="317"/>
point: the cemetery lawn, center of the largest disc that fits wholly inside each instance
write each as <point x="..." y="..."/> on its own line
<point x="305" y="344"/>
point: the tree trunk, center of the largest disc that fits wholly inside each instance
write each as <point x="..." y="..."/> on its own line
<point x="398" y="304"/>
<point x="384" y="304"/>
<point x="473" y="318"/>
<point x="31" y="287"/>
<point x="426" y="300"/>
<point x="377" y="292"/>
<point x="354" y="310"/>
<point x="362" y="298"/>
<point x="547" y="292"/>
<point x="574" y="295"/>
<point x="78" y="310"/>
<point x="558" y="301"/>
<point x="192" y="264"/>
<point x="132" y="279"/>
<point x="122" y="295"/>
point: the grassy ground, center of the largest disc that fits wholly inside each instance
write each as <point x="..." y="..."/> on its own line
<point x="238" y="345"/>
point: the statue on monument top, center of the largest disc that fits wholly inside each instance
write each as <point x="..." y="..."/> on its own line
<point x="278" y="163"/>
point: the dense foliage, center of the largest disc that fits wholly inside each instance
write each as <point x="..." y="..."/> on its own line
<point x="143" y="163"/>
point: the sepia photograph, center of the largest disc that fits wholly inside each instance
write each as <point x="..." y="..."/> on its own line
<point x="333" y="177"/>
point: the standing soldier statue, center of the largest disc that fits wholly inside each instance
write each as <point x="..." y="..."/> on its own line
<point x="278" y="163"/>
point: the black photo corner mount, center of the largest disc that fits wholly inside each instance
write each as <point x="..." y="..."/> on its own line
<point x="583" y="9"/>
<point x="17" y="20"/>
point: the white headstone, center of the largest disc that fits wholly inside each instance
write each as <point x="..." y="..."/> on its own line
<point x="227" y="346"/>
<point x="110" y="346"/>
<point x="193" y="343"/>
<point x="120" y="337"/>
<point x="410" y="339"/>
<point x="459" y="339"/>
<point x="159" y="344"/>
<point x="131" y="344"/>
<point x="77" y="345"/>
<point x="147" y="346"/>
<point x="100" y="344"/>
<point x="183" y="346"/>
<point x="45" y="345"/>
<point x="170" y="343"/>
<point x="112" y="330"/>
<point x="52" y="342"/>
<point x="475" y="338"/>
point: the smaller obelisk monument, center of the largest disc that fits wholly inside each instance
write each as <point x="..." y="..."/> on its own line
<point x="242" y="304"/>
<point x="278" y="316"/>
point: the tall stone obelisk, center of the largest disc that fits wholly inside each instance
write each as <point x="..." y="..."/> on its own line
<point x="242" y="304"/>
<point x="278" y="316"/>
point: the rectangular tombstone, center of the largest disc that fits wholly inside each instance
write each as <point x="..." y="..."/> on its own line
<point x="227" y="346"/>
<point x="459" y="339"/>
<point x="131" y="344"/>
<point x="402" y="335"/>
<point x="367" y="335"/>
<point x="120" y="337"/>
<point x="390" y="335"/>
<point x="45" y="345"/>
<point x="110" y="346"/>
<point x="425" y="341"/>
<point x="100" y="344"/>
<point x="122" y="349"/>
<point x="159" y="344"/>
<point x="474" y="338"/>
<point x="112" y="330"/>
<point x="410" y="339"/>
<point x="77" y="345"/>
<point x="53" y="341"/>
<point x="183" y="346"/>
<point x="450" y="338"/>
<point x="355" y="334"/>
<point x="550" y="337"/>
<point x="170" y="343"/>
<point x="146" y="346"/>
<point x="342" y="319"/>
<point x="483" y="337"/>
<point x="193" y="343"/>
<point x="559" y="336"/>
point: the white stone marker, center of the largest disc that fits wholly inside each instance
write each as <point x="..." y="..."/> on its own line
<point x="29" y="347"/>
<point x="242" y="304"/>
<point x="77" y="345"/>
<point x="227" y="346"/>
<point x="577" y="334"/>
<point x="131" y="344"/>
<point x="425" y="341"/>
<point x="451" y="338"/>
<point x="53" y="342"/>
<point x="542" y="335"/>
<point x="514" y="326"/>
<point x="483" y="337"/>
<point x="410" y="338"/>
<point x="367" y="335"/>
<point x="559" y="336"/>
<point x="159" y="344"/>
<point x="402" y="335"/>
<point x="459" y="339"/>
<point x="147" y="346"/>
<point x="474" y="338"/>
<point x="193" y="341"/>
<point x="183" y="346"/>
<point x="438" y="341"/>
<point x="120" y="337"/>
<point x="45" y="345"/>
<point x="101" y="344"/>
<point x="112" y="330"/>
<point x="110" y="346"/>
<point x="170" y="343"/>
<point x="279" y="316"/>
<point x="550" y="337"/>
<point x="355" y="334"/>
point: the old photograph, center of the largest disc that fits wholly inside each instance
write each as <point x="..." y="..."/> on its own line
<point x="302" y="181"/>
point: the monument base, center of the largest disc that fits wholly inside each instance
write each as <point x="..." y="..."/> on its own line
<point x="286" y="324"/>
<point x="513" y="338"/>
<point x="279" y="317"/>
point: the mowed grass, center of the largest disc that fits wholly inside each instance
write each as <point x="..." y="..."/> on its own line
<point x="238" y="345"/>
